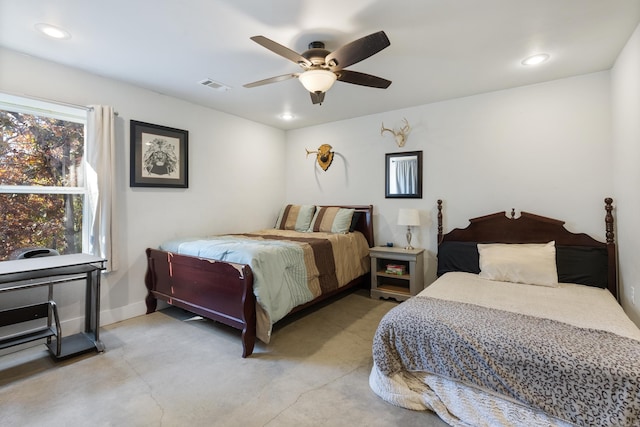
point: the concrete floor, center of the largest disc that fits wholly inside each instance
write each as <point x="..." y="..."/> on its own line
<point x="173" y="369"/>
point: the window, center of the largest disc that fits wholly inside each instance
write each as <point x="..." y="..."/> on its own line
<point x="42" y="182"/>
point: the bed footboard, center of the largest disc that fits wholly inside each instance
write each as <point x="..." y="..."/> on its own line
<point x="220" y="291"/>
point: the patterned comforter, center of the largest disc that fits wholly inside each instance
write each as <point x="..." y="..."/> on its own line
<point x="576" y="375"/>
<point x="289" y="268"/>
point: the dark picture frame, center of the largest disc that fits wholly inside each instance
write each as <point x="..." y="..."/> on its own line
<point x="398" y="187"/>
<point x="159" y="156"/>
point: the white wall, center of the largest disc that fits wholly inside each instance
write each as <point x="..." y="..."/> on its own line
<point x="544" y="149"/>
<point x="231" y="163"/>
<point x="625" y="94"/>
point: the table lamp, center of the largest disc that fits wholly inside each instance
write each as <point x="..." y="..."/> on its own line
<point x="409" y="217"/>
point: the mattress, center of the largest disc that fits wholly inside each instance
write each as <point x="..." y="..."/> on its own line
<point x="461" y="401"/>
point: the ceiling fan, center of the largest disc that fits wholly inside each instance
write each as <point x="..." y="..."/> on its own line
<point x="322" y="68"/>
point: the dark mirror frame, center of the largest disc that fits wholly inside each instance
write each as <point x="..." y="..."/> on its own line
<point x="388" y="170"/>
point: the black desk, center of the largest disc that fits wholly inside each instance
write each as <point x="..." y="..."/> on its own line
<point x="22" y="274"/>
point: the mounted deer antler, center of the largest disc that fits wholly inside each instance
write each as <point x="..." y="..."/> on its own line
<point x="324" y="155"/>
<point x="401" y="135"/>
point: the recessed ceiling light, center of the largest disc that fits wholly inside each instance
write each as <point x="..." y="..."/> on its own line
<point x="53" y="31"/>
<point x="535" y="59"/>
<point x="287" y="116"/>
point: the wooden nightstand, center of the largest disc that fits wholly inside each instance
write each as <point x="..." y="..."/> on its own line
<point x="397" y="286"/>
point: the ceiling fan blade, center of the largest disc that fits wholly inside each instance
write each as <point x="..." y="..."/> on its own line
<point x="282" y="51"/>
<point x="363" y="79"/>
<point x="357" y="50"/>
<point x="272" y="80"/>
<point x="317" y="97"/>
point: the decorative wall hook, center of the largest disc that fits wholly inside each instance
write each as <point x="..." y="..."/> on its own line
<point x="324" y="156"/>
<point x="401" y="135"/>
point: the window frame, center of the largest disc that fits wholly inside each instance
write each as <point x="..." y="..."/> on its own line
<point x="51" y="109"/>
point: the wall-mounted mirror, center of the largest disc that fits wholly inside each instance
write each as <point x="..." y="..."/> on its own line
<point x="403" y="175"/>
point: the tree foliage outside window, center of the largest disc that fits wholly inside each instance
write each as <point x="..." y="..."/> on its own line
<point x="41" y="182"/>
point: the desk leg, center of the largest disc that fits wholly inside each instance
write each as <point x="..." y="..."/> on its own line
<point x="88" y="303"/>
<point x="50" y="316"/>
<point x="90" y="339"/>
<point x="99" y="345"/>
<point x="92" y="308"/>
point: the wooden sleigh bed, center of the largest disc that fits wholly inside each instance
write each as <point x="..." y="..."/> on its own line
<point x="486" y="350"/>
<point x="224" y="291"/>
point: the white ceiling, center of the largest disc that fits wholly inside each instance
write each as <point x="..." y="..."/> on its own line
<point x="440" y="49"/>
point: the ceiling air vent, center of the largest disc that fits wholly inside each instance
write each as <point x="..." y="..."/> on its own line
<point x="214" y="85"/>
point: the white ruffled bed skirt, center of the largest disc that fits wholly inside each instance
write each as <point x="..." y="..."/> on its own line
<point x="455" y="403"/>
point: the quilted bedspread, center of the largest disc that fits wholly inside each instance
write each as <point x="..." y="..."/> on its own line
<point x="582" y="376"/>
<point x="289" y="268"/>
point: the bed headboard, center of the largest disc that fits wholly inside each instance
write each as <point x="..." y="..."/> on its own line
<point x="365" y="220"/>
<point x="530" y="228"/>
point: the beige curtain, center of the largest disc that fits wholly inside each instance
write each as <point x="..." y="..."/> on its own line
<point x="101" y="183"/>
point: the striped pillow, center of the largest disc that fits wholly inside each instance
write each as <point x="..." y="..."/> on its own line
<point x="295" y="217"/>
<point x="332" y="220"/>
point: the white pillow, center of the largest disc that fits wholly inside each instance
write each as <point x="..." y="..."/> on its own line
<point x="530" y="263"/>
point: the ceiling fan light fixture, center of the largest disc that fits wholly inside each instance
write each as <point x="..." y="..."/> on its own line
<point x="317" y="80"/>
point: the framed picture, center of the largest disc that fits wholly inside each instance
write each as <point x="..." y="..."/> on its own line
<point x="159" y="156"/>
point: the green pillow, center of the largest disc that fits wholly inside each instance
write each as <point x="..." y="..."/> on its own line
<point x="332" y="220"/>
<point x="295" y="217"/>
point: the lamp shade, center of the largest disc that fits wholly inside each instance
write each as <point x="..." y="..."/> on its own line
<point x="408" y="217"/>
<point x="317" y="80"/>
